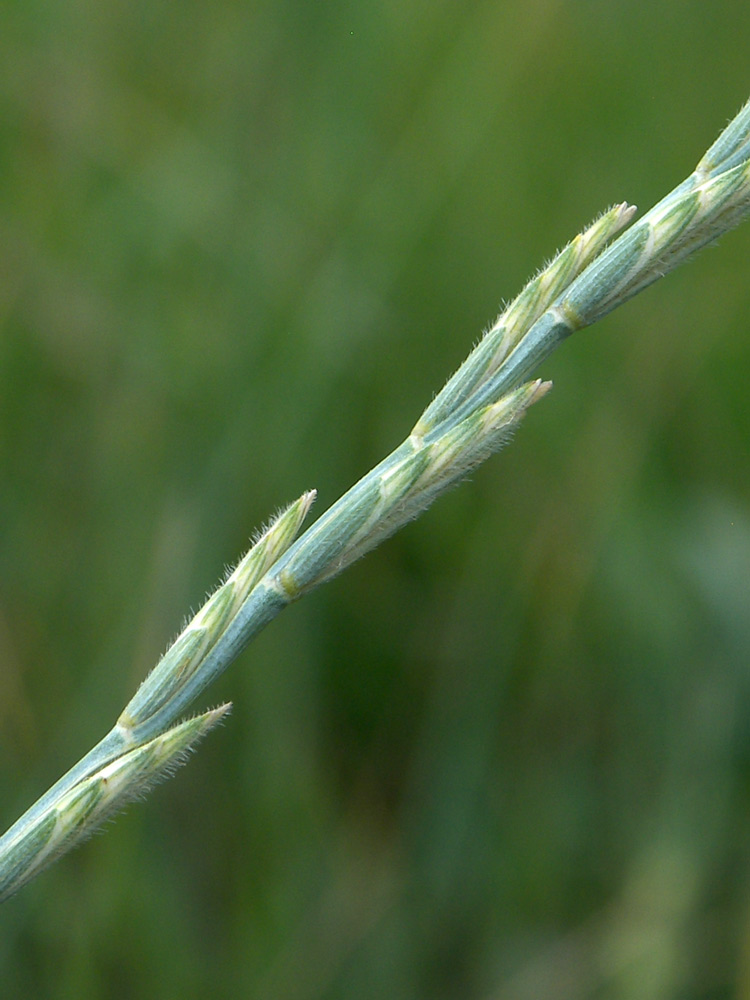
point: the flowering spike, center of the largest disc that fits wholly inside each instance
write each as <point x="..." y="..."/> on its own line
<point x="176" y="673"/>
<point x="89" y="803"/>
<point x="470" y="418"/>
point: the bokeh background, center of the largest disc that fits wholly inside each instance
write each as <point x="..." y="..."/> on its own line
<point x="505" y="757"/>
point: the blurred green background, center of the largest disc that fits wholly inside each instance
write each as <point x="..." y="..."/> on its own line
<point x="507" y="756"/>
